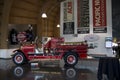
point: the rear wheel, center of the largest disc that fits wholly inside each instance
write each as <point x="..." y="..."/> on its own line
<point x="19" y="58"/>
<point x="71" y="59"/>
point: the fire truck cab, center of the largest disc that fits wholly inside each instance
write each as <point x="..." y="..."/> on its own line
<point x="52" y="49"/>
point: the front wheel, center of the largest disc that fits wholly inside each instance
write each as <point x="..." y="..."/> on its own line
<point x="18" y="71"/>
<point x="71" y="59"/>
<point x="19" y="58"/>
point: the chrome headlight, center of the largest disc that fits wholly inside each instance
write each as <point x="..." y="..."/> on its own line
<point x="46" y="50"/>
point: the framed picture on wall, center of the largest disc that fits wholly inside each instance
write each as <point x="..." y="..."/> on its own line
<point x="68" y="28"/>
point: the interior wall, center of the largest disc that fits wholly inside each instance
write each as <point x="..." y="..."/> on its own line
<point x="100" y="42"/>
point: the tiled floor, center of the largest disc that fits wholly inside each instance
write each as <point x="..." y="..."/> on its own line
<point x="84" y="70"/>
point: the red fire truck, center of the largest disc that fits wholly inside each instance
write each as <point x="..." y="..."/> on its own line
<point x="52" y="49"/>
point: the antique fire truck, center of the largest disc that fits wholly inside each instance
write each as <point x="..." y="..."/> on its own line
<point x="52" y="49"/>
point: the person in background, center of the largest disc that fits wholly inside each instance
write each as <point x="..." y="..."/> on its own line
<point x="13" y="37"/>
<point x="118" y="50"/>
<point x="29" y="34"/>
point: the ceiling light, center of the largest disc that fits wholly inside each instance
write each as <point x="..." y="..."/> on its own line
<point x="58" y="25"/>
<point x="44" y="15"/>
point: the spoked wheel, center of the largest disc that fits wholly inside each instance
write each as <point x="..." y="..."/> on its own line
<point x="19" y="58"/>
<point x="71" y="59"/>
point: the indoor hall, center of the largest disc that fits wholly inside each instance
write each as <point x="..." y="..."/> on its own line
<point x="59" y="39"/>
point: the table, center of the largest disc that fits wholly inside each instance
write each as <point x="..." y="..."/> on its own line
<point x="109" y="67"/>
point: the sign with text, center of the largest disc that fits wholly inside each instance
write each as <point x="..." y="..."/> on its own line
<point x="99" y="16"/>
<point x="83" y="16"/>
<point x="68" y="17"/>
<point x="68" y="10"/>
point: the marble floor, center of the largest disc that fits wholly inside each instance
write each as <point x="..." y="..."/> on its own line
<point x="84" y="70"/>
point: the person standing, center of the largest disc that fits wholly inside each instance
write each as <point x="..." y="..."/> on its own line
<point x="29" y="34"/>
<point x="13" y="37"/>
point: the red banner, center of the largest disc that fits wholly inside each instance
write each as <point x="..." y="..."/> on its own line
<point x="99" y="13"/>
<point x="68" y="11"/>
<point x="68" y="17"/>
